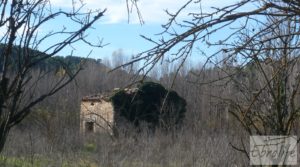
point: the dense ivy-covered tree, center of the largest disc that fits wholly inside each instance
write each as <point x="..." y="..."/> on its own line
<point x="150" y="103"/>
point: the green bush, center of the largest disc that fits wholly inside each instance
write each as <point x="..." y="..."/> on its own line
<point x="90" y="147"/>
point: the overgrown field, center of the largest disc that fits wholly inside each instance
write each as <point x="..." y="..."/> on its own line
<point x="159" y="150"/>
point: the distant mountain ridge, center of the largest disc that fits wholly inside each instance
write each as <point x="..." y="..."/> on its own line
<point x="21" y="56"/>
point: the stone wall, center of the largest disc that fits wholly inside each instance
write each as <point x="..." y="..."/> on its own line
<point x="96" y="115"/>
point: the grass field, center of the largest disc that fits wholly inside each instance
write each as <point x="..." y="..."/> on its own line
<point x="182" y="150"/>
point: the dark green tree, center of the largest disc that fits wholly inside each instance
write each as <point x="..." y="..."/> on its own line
<point x="150" y="103"/>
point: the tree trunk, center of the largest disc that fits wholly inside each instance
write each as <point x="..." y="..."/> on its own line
<point x="4" y="130"/>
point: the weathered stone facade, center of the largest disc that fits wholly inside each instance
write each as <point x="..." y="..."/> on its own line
<point x="96" y="115"/>
<point x="149" y="104"/>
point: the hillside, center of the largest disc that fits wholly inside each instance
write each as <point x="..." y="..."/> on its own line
<point x="21" y="56"/>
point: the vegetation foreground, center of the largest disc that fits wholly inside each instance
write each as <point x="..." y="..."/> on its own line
<point x="159" y="151"/>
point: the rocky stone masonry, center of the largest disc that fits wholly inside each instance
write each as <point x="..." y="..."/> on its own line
<point x="96" y="114"/>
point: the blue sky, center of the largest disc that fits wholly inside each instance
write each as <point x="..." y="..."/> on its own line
<point x="114" y="28"/>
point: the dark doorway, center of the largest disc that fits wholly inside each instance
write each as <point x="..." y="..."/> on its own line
<point x="89" y="127"/>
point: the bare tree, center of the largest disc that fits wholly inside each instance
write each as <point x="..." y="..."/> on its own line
<point x="20" y="23"/>
<point x="267" y="86"/>
<point x="198" y="27"/>
<point x="261" y="41"/>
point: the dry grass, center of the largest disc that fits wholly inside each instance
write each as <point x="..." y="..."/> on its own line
<point x="142" y="150"/>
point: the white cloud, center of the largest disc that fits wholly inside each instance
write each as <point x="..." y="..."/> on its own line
<point x="152" y="10"/>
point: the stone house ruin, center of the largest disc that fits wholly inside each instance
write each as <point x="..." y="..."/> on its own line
<point x="149" y="104"/>
<point x="96" y="114"/>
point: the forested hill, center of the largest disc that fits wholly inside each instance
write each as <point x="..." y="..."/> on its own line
<point x="22" y="56"/>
